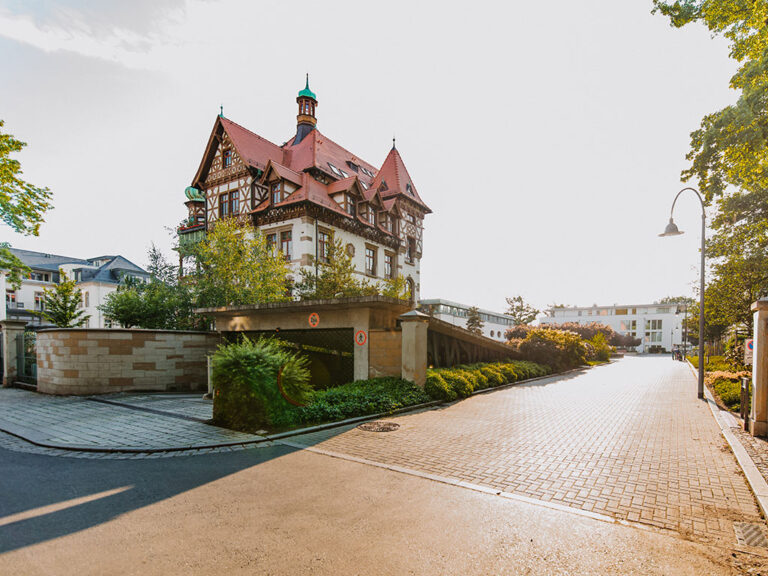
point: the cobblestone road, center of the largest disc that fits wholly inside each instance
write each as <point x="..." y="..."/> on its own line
<point x="80" y="422"/>
<point x="628" y="440"/>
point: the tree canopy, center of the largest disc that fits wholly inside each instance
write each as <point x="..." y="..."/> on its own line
<point x="521" y="312"/>
<point x="730" y="148"/>
<point x="62" y="304"/>
<point x="22" y="205"/>
<point x="474" y="321"/>
<point x="237" y="267"/>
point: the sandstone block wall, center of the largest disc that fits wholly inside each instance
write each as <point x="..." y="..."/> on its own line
<point x="99" y="361"/>
<point x="384" y="353"/>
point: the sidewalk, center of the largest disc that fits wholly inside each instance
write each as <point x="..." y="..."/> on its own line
<point x="116" y="423"/>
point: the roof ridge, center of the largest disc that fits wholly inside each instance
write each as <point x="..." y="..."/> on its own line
<point x="259" y="136"/>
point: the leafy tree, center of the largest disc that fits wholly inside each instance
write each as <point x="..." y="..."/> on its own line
<point x="61" y="304"/>
<point x="474" y="322"/>
<point x="237" y="267"/>
<point x="163" y="303"/>
<point x="335" y="278"/>
<point x="394" y="288"/>
<point x="731" y="145"/>
<point x="521" y="312"/>
<point x="22" y="205"/>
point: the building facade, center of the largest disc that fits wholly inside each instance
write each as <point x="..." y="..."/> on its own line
<point x="306" y="192"/>
<point x="658" y="326"/>
<point x="95" y="277"/>
<point x="495" y="324"/>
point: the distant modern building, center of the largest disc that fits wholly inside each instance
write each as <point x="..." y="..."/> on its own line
<point x="658" y="326"/>
<point x="495" y="324"/>
<point x="96" y="278"/>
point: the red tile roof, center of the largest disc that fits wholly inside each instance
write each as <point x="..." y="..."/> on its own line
<point x="253" y="149"/>
<point x="396" y="180"/>
<point x="318" y="151"/>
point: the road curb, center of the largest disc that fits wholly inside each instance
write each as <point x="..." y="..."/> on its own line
<point x="755" y="479"/>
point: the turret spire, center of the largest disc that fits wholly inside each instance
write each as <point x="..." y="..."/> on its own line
<point x="306" y="120"/>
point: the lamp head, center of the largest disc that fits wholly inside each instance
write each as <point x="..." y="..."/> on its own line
<point x="671" y="229"/>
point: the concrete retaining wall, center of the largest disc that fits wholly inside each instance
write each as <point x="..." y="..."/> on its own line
<point x="99" y="361"/>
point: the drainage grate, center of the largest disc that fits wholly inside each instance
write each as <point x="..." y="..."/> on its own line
<point x="379" y="426"/>
<point x="750" y="534"/>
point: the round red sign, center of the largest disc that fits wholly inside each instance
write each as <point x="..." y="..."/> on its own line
<point x="361" y="337"/>
<point x="314" y="319"/>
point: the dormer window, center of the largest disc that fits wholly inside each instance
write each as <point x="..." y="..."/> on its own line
<point x="348" y="204"/>
<point x="352" y="165"/>
<point x="383" y="187"/>
<point x="276" y="191"/>
<point x="366" y="171"/>
<point x="368" y="214"/>
<point x="409" y="188"/>
<point x="386" y="221"/>
<point x="335" y="170"/>
<point x="227" y="158"/>
<point x="364" y="185"/>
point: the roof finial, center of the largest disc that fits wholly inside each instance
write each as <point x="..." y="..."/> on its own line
<point x="307" y="81"/>
<point x="393" y="142"/>
<point x="221" y="110"/>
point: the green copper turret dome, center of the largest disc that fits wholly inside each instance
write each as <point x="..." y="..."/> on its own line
<point x="307" y="92"/>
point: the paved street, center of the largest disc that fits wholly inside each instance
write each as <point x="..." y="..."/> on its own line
<point x="628" y="440"/>
<point x="129" y="422"/>
<point x="524" y="480"/>
<point x="280" y="511"/>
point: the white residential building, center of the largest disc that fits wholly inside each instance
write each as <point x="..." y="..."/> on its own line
<point x="658" y="326"/>
<point x="495" y="324"/>
<point x="95" y="277"/>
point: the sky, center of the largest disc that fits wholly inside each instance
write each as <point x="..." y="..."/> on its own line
<point x="547" y="137"/>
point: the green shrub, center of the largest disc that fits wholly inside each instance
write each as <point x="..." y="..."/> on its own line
<point x="558" y="349"/>
<point x="356" y="399"/>
<point x="494" y="375"/>
<point x="461" y="381"/>
<point x="246" y="393"/>
<point x="458" y="382"/>
<point x="437" y="388"/>
<point x="509" y="372"/>
<point x="729" y="392"/>
<point x="600" y="349"/>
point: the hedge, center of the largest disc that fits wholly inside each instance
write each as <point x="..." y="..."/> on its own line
<point x="460" y="381"/>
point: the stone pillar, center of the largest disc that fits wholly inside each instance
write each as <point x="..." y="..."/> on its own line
<point x="758" y="425"/>
<point x="11" y="330"/>
<point x="414" y="350"/>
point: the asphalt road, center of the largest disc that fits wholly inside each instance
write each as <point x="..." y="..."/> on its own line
<point x="277" y="510"/>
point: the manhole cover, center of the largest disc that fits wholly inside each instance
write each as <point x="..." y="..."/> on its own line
<point x="750" y="534"/>
<point x="379" y="426"/>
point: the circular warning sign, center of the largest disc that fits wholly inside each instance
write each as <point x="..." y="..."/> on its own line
<point x="314" y="319"/>
<point x="750" y="344"/>
<point x="361" y="337"/>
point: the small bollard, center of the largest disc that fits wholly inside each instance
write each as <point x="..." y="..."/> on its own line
<point x="744" y="408"/>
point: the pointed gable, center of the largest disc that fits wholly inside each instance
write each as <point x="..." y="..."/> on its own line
<point x="250" y="149"/>
<point x="393" y="180"/>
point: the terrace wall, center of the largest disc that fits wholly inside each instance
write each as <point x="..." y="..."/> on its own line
<point x="99" y="361"/>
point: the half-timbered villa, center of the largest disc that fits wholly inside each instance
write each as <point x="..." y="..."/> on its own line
<point x="303" y="193"/>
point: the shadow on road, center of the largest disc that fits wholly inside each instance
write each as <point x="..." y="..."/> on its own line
<point x="31" y="484"/>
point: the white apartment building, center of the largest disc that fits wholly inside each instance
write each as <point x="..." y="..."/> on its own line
<point x="495" y="324"/>
<point x="95" y="277"/>
<point x="658" y="326"/>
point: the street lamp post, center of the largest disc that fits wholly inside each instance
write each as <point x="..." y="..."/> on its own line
<point x="672" y="230"/>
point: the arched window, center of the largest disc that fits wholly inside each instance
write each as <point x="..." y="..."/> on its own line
<point x="411" y="290"/>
